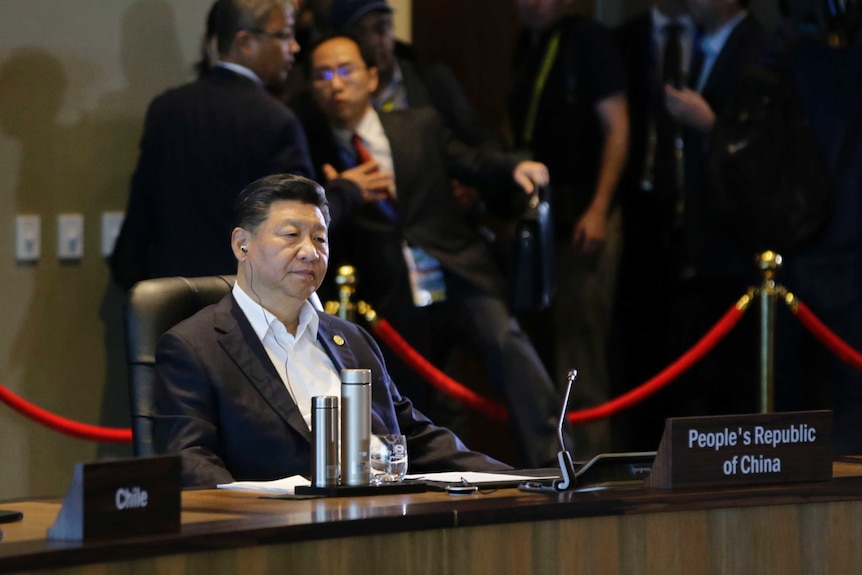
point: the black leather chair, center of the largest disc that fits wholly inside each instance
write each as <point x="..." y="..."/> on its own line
<point x="153" y="307"/>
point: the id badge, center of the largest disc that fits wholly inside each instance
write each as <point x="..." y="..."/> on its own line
<point x="426" y="276"/>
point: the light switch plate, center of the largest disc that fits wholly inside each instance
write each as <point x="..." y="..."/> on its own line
<point x="70" y="236"/>
<point x="28" y="238"/>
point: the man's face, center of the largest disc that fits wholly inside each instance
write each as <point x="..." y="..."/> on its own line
<point x="376" y="34"/>
<point x="539" y="14"/>
<point x="273" y="46"/>
<point x="288" y="252"/>
<point x="341" y="82"/>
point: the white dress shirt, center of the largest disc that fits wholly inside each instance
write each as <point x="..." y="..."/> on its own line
<point x="300" y="360"/>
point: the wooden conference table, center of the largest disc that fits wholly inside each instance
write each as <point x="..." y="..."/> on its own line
<point x="786" y="530"/>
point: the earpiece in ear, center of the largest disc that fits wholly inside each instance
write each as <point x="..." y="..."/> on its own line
<point x="244" y="249"/>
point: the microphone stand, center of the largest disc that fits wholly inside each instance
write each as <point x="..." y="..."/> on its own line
<point x="568" y="479"/>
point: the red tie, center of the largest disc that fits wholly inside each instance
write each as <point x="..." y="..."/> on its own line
<point x="362" y="156"/>
<point x="362" y="153"/>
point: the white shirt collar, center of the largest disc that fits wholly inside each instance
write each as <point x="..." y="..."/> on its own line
<point x="241" y="70"/>
<point x="261" y="319"/>
<point x="369" y="129"/>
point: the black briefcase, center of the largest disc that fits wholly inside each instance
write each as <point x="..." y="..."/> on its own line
<point x="532" y="278"/>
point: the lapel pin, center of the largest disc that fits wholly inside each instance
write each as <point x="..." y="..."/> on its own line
<point x="338" y="340"/>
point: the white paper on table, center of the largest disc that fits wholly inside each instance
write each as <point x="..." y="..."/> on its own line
<point x="284" y="485"/>
<point x="475" y="477"/>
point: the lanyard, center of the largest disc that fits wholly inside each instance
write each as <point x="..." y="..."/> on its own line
<point x="539" y="86"/>
<point x="388" y="104"/>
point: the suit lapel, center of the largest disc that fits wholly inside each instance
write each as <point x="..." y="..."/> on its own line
<point x="334" y="342"/>
<point x="241" y="343"/>
<point x="728" y="60"/>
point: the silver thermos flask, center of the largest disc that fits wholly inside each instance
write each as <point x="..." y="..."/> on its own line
<point x="324" y="433"/>
<point x="355" y="426"/>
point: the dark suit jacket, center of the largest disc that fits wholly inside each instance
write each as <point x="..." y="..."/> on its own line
<point x="712" y="254"/>
<point x="425" y="157"/>
<point x="222" y="406"/>
<point x="202" y="144"/>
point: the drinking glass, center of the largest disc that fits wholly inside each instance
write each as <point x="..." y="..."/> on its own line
<point x="388" y="458"/>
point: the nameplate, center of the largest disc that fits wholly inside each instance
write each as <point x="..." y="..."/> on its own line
<point x="736" y="450"/>
<point x="121" y="498"/>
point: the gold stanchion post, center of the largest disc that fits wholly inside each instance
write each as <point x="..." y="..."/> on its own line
<point x="344" y="308"/>
<point x="769" y="263"/>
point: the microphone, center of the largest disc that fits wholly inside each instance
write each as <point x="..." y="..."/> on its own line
<point x="568" y="479"/>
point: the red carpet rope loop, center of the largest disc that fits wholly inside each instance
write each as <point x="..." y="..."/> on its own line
<point x="716" y="333"/>
<point x="447" y="385"/>
<point x="63" y="425"/>
<point x="384" y="330"/>
<point x="825" y="335"/>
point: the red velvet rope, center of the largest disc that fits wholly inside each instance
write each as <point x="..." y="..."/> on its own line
<point x="434" y="376"/>
<point x="826" y="336"/>
<point x="469" y="398"/>
<point x="721" y="328"/>
<point x="63" y="425"/>
<point x="447" y="385"/>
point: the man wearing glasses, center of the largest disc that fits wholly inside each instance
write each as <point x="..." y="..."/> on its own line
<point x="204" y="141"/>
<point x="418" y="262"/>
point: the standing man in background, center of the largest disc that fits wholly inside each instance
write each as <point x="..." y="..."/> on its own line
<point x="204" y="141"/>
<point x="714" y="272"/>
<point x="568" y="109"/>
<point x="656" y="48"/>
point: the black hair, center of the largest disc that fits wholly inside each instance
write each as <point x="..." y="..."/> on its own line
<point x="253" y="203"/>
<point x="367" y="56"/>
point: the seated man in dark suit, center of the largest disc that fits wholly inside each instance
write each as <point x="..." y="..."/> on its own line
<point x="235" y="381"/>
<point x="418" y="261"/>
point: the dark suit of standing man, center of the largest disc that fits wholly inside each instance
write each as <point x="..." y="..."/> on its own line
<point x="656" y="48"/>
<point x="714" y="272"/>
<point x="204" y="141"/>
<point x="235" y="380"/>
<point x="415" y="146"/>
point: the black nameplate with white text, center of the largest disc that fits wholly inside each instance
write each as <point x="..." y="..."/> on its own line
<point x="790" y="447"/>
<point x="121" y="498"/>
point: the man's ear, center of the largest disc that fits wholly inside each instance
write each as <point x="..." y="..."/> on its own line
<point x="239" y="238"/>
<point x="243" y="46"/>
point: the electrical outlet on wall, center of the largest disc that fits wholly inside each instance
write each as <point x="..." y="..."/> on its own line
<point x="70" y="236"/>
<point x="28" y="238"/>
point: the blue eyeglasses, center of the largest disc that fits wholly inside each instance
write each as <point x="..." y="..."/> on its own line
<point x="327" y="74"/>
